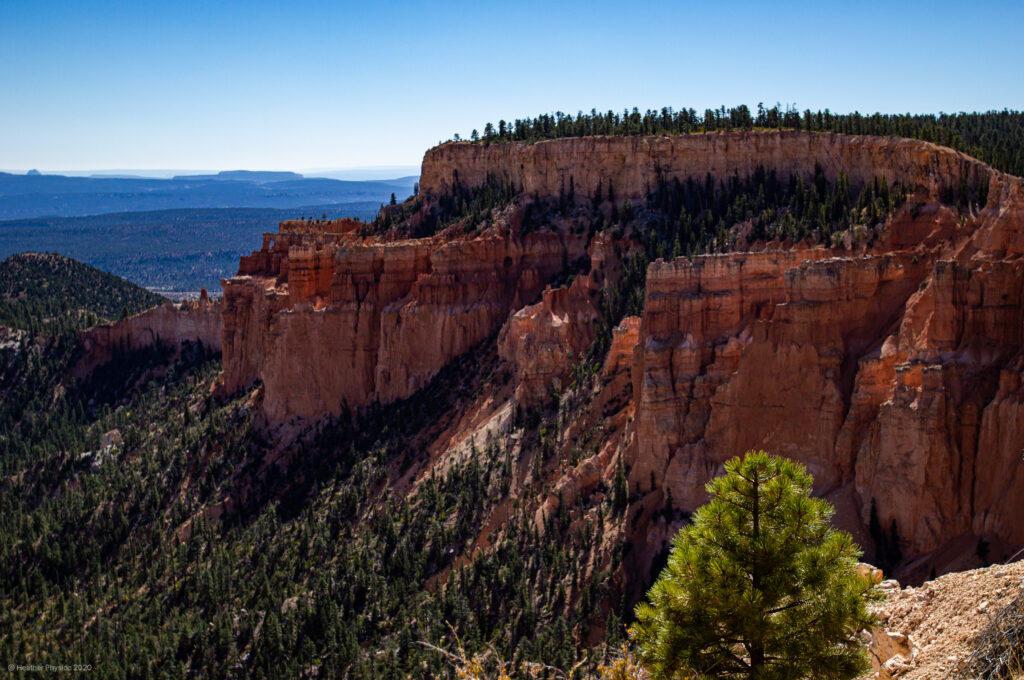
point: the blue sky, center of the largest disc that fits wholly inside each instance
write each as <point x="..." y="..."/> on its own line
<point x="305" y="85"/>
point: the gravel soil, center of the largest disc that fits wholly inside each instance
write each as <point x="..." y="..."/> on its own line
<point x="944" y="618"/>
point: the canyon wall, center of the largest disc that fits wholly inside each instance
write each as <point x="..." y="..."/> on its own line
<point x="632" y="165"/>
<point x="169" y="324"/>
<point x="893" y="372"/>
<point x="896" y="371"/>
<point x="329" y="321"/>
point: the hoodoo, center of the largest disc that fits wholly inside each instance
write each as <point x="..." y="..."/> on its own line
<point x="888" y="360"/>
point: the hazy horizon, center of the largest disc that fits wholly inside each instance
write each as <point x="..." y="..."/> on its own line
<point x="368" y="173"/>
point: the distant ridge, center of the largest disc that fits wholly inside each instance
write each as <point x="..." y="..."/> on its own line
<point x="258" y="176"/>
<point x="36" y="196"/>
<point x="381" y="173"/>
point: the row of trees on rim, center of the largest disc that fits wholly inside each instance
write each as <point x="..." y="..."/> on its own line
<point x="995" y="137"/>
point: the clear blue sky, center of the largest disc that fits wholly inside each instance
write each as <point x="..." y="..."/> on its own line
<point x="301" y="85"/>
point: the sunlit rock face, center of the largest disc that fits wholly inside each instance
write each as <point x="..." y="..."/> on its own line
<point x="893" y="372"/>
<point x="169" y="324"/>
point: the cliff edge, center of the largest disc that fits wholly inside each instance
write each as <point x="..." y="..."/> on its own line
<point x="889" y="364"/>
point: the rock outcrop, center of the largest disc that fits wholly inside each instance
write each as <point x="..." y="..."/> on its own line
<point x="545" y="340"/>
<point x="331" y="320"/>
<point x="944" y="627"/>
<point x="631" y="165"/>
<point x="893" y="372"/>
<point x="896" y="371"/>
<point x="169" y="324"/>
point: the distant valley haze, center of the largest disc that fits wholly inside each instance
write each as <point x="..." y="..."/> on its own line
<point x="52" y="195"/>
<point x="180" y="232"/>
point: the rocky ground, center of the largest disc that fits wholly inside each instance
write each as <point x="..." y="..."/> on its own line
<point x="930" y="631"/>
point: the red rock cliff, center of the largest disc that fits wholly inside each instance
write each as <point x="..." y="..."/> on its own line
<point x="327" y="320"/>
<point x="168" y="324"/>
<point x="632" y="164"/>
<point x="894" y="373"/>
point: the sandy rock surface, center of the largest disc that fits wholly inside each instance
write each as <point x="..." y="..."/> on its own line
<point x="926" y="632"/>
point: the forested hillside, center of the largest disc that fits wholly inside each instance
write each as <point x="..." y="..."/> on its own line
<point x="47" y="291"/>
<point x="180" y="550"/>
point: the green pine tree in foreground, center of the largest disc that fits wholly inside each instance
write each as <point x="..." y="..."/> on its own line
<point x="758" y="586"/>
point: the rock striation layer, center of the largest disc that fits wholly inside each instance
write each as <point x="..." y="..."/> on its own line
<point x="631" y="165"/>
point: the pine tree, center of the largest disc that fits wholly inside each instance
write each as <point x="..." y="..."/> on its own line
<point x="620" y="489"/>
<point x="758" y="586"/>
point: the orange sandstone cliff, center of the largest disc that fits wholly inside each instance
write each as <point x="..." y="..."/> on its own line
<point x="631" y="165"/>
<point x="335" y="320"/>
<point x="169" y="324"/>
<point x="893" y="372"/>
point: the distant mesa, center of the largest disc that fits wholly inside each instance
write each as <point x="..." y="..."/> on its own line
<point x="117" y="176"/>
<point x="257" y="176"/>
